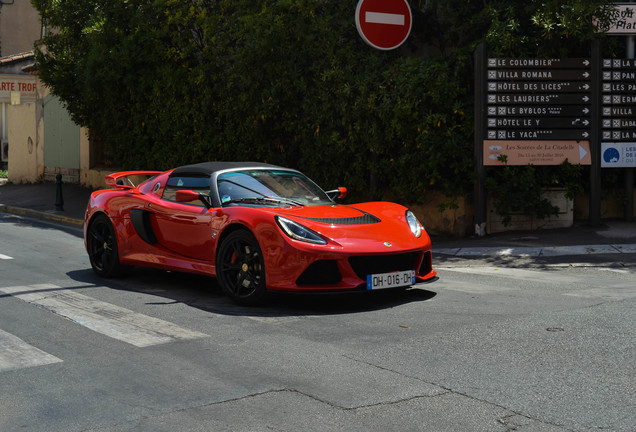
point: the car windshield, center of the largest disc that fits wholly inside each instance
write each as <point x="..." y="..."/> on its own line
<point x="269" y="187"/>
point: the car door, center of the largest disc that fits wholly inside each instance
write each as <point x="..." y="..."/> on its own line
<point x="184" y="228"/>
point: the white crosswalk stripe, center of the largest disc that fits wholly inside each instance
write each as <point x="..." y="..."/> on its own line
<point x="5" y="257"/>
<point x="16" y="353"/>
<point x="105" y="318"/>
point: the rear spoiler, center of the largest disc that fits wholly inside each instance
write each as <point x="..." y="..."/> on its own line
<point x="122" y="179"/>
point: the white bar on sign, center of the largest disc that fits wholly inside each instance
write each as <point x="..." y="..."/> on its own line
<point x="105" y="318"/>
<point x="384" y="18"/>
<point x="16" y="353"/>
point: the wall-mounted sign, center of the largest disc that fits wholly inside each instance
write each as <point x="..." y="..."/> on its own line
<point x="17" y="87"/>
<point x="618" y="154"/>
<point x="623" y="20"/>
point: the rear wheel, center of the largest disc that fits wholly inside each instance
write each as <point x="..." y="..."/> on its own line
<point x="101" y="245"/>
<point x="241" y="269"/>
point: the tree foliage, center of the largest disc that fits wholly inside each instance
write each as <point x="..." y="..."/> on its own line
<point x="166" y="82"/>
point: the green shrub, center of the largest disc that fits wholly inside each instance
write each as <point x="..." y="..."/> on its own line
<point x="161" y="83"/>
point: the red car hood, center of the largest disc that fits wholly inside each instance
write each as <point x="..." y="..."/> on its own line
<point x="367" y="227"/>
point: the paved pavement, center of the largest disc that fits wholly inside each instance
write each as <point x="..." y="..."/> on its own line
<point x="38" y="201"/>
<point x="612" y="237"/>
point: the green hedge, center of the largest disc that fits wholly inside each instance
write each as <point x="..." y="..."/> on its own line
<point x="161" y="83"/>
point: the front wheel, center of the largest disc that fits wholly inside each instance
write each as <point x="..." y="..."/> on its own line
<point x="101" y="245"/>
<point x="241" y="269"/>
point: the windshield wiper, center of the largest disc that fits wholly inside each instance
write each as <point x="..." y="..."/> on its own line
<point x="264" y="200"/>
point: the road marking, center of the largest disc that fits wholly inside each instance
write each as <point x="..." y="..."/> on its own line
<point x="5" y="257"/>
<point x="384" y="18"/>
<point x="105" y="318"/>
<point x="16" y="353"/>
<point x="613" y="270"/>
<point x="276" y="320"/>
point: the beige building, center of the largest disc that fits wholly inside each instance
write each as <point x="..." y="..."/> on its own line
<point x="29" y="114"/>
<point x="18" y="124"/>
<point x="20" y="27"/>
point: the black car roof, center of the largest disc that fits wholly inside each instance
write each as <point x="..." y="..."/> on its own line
<point x="208" y="168"/>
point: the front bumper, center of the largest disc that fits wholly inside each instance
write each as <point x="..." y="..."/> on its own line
<point x="344" y="272"/>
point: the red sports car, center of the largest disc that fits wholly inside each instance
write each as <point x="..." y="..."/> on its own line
<point x="255" y="227"/>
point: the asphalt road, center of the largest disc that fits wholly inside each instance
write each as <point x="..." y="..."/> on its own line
<point x="494" y="345"/>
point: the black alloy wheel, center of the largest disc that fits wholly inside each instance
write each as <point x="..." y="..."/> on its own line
<point x="240" y="268"/>
<point x="101" y="244"/>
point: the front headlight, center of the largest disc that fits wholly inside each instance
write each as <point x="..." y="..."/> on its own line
<point x="414" y="224"/>
<point x="298" y="232"/>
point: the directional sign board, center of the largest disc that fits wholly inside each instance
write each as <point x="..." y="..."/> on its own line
<point x="524" y="152"/>
<point x="539" y="134"/>
<point x="618" y="111"/>
<point x="525" y="87"/>
<point x="541" y="111"/>
<point x="545" y="74"/>
<point x="539" y="122"/>
<point x="555" y="98"/>
<point x="541" y="63"/>
<point x="383" y="24"/>
<point x="537" y="111"/>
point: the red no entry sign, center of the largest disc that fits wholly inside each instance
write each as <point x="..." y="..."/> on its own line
<point x="383" y="24"/>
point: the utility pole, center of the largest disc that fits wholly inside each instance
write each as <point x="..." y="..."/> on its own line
<point x="629" y="172"/>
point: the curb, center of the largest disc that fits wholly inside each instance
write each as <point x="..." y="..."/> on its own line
<point x="51" y="217"/>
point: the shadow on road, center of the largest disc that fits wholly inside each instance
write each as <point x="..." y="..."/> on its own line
<point x="204" y="293"/>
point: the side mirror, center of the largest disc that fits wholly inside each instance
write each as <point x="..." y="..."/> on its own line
<point x="339" y="193"/>
<point x="185" y="196"/>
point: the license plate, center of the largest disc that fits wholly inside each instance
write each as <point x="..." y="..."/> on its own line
<point x="391" y="280"/>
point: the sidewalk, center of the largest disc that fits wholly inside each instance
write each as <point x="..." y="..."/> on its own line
<point x="612" y="237"/>
<point x="38" y="201"/>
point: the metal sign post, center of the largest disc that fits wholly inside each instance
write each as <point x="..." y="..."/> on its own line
<point x="595" y="141"/>
<point x="629" y="173"/>
<point x="480" y="121"/>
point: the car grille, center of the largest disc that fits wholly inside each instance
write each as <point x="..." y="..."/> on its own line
<point x="376" y="264"/>
<point x="322" y="272"/>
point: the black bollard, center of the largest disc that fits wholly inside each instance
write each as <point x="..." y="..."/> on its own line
<point x="59" y="199"/>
